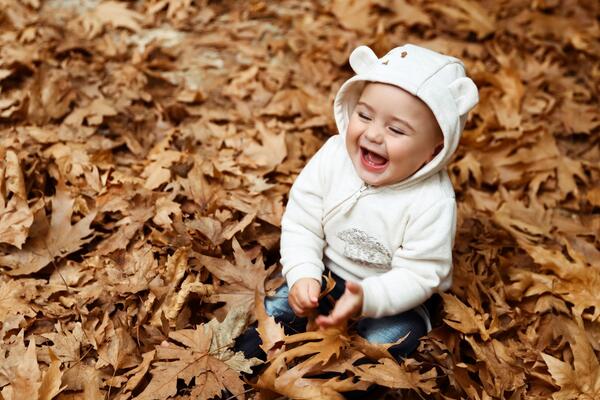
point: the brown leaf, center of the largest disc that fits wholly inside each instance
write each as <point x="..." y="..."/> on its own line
<point x="469" y="16"/>
<point x="12" y="301"/>
<point x="389" y="374"/>
<point x="271" y="333"/>
<point x="93" y="113"/>
<point x="127" y="228"/>
<point x="354" y="14"/>
<point x="321" y="347"/>
<point x="137" y="374"/>
<point x="15" y="220"/>
<point x="270" y="153"/>
<point x="15" y="215"/>
<point x="51" y="380"/>
<point x="21" y="371"/>
<point x="463" y="318"/>
<point x="192" y="361"/>
<point x="119" y="351"/>
<point x="110" y="13"/>
<point x="580" y="380"/>
<point x="242" y="280"/>
<point x="61" y="239"/>
<point x="176" y="268"/>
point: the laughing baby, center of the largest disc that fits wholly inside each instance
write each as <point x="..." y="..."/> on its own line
<point x="374" y="207"/>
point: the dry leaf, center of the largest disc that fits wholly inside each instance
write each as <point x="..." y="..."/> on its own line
<point x="242" y="280"/>
<point x="61" y="239"/>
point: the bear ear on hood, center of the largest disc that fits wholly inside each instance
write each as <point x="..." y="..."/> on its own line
<point x="465" y="94"/>
<point x="362" y="58"/>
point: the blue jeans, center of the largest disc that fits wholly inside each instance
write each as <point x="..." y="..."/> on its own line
<point x="375" y="330"/>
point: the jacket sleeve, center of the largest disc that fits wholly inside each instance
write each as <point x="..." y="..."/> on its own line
<point x="302" y="237"/>
<point x="420" y="267"/>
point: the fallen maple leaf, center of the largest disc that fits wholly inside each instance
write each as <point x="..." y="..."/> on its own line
<point x="582" y="379"/>
<point x="93" y="113"/>
<point x="51" y="380"/>
<point x="468" y="15"/>
<point x="321" y="347"/>
<point x="242" y="279"/>
<point x="110" y="13"/>
<point x="463" y="318"/>
<point x="61" y="239"/>
<point x="12" y="301"/>
<point x="271" y="333"/>
<point x="270" y="153"/>
<point x="20" y="370"/>
<point x="15" y="215"/>
<point x="354" y="14"/>
<point x="205" y="357"/>
<point x="390" y="374"/>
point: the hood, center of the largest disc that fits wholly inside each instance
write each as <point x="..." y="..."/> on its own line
<point x="438" y="80"/>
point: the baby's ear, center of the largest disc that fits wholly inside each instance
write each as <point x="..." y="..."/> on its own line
<point x="362" y="58"/>
<point x="465" y="94"/>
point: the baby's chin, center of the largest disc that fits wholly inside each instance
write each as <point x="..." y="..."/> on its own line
<point x="375" y="182"/>
<point x="372" y="179"/>
<point x="379" y="179"/>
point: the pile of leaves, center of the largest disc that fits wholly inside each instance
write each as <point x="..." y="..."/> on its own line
<point x="146" y="152"/>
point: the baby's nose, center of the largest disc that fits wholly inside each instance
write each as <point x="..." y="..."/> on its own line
<point x="374" y="134"/>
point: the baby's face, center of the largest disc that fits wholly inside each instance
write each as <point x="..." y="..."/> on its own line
<point x="391" y="134"/>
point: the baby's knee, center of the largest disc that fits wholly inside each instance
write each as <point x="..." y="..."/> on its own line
<point x="407" y="327"/>
<point x="277" y="307"/>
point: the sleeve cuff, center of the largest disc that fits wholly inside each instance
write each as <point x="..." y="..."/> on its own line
<point x="370" y="301"/>
<point x="303" y="271"/>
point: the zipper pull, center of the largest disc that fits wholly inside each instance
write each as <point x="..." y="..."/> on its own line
<point x="355" y="198"/>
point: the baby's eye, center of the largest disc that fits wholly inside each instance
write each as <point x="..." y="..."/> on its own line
<point x="364" y="116"/>
<point x="396" y="130"/>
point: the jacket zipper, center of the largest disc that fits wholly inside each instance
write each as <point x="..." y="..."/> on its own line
<point x="353" y="198"/>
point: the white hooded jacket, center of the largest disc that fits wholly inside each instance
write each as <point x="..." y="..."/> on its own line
<point x="395" y="240"/>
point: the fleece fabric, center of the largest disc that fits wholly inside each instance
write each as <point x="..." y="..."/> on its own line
<point x="395" y="240"/>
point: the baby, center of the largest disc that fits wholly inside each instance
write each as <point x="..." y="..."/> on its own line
<point x="374" y="206"/>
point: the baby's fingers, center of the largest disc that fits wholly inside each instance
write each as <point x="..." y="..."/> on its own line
<point x="297" y="310"/>
<point x="312" y="292"/>
<point x="309" y="303"/>
<point x="298" y="306"/>
<point x="325" y="321"/>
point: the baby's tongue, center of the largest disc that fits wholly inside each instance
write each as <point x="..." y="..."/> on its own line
<point x="375" y="158"/>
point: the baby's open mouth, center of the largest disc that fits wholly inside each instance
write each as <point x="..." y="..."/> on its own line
<point x="372" y="159"/>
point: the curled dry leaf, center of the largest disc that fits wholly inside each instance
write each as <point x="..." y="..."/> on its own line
<point x="15" y="215"/>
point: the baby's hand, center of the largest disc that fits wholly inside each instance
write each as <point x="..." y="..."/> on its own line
<point x="304" y="296"/>
<point x="348" y="305"/>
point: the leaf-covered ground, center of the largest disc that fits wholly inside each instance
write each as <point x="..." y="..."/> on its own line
<point x="146" y="151"/>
